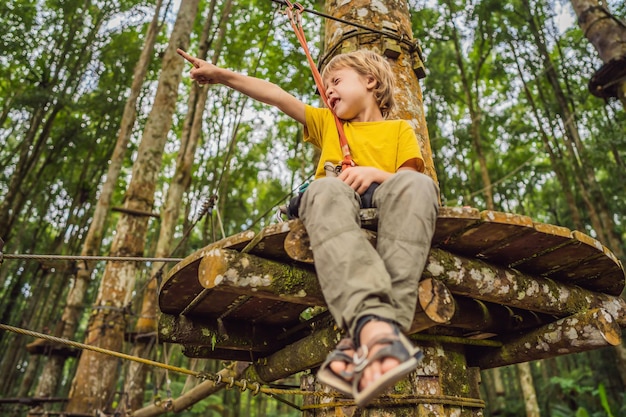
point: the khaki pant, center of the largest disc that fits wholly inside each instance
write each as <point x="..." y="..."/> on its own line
<point x="356" y="278"/>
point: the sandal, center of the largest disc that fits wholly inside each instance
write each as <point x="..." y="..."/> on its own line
<point x="398" y="347"/>
<point x="342" y="381"/>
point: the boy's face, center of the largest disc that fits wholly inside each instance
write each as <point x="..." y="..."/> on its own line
<point x="349" y="92"/>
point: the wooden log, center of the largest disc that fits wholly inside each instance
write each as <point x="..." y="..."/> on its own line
<point x="244" y="337"/>
<point x="483" y="281"/>
<point x="306" y="353"/>
<point x="586" y="330"/>
<point x="483" y="317"/>
<point x="191" y="397"/>
<point x="297" y="243"/>
<point x="242" y="273"/>
<point x="181" y="287"/>
<point x="435" y="305"/>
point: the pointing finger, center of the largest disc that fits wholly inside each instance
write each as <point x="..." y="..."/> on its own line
<point x="193" y="61"/>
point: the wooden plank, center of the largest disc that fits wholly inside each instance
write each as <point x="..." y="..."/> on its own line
<point x="520" y="247"/>
<point x="269" y="242"/>
<point x="493" y="230"/>
<point x="600" y="270"/>
<point x="451" y="221"/>
<point x="271" y="312"/>
<point x="214" y="303"/>
<point x="580" y="260"/>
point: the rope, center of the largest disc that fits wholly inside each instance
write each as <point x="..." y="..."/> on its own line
<point x="97" y="349"/>
<point x="88" y="258"/>
<point x="388" y="34"/>
<point x="294" y="13"/>
<point x="255" y="387"/>
<point x="230" y="382"/>
<point x="391" y="400"/>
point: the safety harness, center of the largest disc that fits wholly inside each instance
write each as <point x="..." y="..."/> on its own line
<point x="294" y="13"/>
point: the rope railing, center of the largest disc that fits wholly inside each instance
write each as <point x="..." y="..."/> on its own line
<point x="255" y="386"/>
<point x="87" y="258"/>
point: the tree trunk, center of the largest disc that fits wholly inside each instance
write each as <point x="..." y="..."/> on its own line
<point x="589" y="188"/>
<point x="96" y="375"/>
<point x="607" y="34"/>
<point x="394" y="16"/>
<point x="528" y="390"/>
<point x="555" y="161"/>
<point x="72" y="312"/>
<point x="58" y="87"/>
<point x="31" y="148"/>
<point x="146" y="327"/>
<point x="473" y="105"/>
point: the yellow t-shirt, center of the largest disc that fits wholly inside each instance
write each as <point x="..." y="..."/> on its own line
<point x="385" y="145"/>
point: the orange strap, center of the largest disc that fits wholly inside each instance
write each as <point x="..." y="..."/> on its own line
<point x="294" y="12"/>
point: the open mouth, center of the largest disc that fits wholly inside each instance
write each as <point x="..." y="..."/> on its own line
<point x="333" y="102"/>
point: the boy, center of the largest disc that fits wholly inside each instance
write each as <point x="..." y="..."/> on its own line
<point x="370" y="292"/>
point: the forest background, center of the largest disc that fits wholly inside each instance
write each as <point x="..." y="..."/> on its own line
<point x="84" y="83"/>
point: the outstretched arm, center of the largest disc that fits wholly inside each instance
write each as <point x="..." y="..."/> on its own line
<point x="260" y="90"/>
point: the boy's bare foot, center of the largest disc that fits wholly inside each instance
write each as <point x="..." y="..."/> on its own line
<point x="337" y="371"/>
<point x="376" y="368"/>
<point x="384" y="357"/>
<point x="343" y="367"/>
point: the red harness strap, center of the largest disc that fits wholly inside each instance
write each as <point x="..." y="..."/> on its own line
<point x="294" y="12"/>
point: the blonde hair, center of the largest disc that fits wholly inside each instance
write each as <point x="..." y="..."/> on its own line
<point x="368" y="63"/>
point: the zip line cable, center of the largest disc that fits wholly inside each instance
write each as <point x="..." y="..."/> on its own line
<point x="388" y="34"/>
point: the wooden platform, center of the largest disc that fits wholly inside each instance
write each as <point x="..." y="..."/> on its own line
<point x="505" y="277"/>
